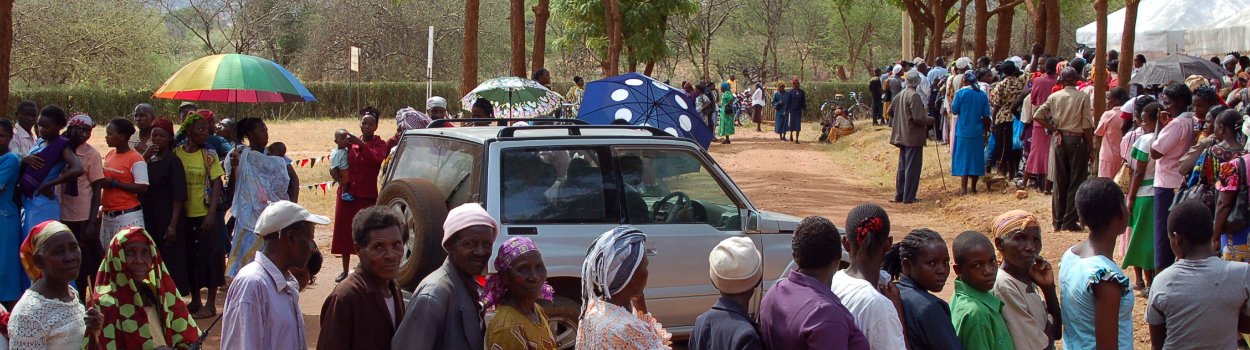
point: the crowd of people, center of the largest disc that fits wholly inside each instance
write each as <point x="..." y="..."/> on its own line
<point x="1176" y="150"/>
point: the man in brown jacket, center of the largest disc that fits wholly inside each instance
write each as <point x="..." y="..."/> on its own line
<point x="365" y="309"/>
<point x="911" y="123"/>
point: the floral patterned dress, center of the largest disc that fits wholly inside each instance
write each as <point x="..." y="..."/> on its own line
<point x="1235" y="246"/>
<point x="605" y="326"/>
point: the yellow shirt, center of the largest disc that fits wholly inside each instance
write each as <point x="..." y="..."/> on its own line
<point x="196" y="166"/>
<point x="502" y="333"/>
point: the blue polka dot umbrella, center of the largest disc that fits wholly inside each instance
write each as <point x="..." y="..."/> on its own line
<point x="640" y="100"/>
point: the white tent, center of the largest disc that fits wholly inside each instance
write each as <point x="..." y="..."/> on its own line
<point x="1232" y="33"/>
<point x="1161" y="24"/>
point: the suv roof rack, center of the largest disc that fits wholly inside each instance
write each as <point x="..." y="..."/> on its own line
<point x="575" y="130"/>
<point x="505" y="121"/>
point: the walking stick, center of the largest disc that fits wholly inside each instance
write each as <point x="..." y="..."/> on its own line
<point x="204" y="335"/>
<point x="938" y="147"/>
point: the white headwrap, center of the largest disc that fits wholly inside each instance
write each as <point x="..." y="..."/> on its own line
<point x="963" y="63"/>
<point x="611" y="262"/>
<point x="435" y="101"/>
<point x="1229" y="59"/>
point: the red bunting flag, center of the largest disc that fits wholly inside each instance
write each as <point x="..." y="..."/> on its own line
<point x="323" y="189"/>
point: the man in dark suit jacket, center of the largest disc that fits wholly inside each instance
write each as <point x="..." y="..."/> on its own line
<point x="444" y="312"/>
<point x="736" y="273"/>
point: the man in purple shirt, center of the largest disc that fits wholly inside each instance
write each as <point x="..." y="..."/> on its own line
<point x="801" y="312"/>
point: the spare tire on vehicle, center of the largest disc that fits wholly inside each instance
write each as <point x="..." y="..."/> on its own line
<point x="423" y="208"/>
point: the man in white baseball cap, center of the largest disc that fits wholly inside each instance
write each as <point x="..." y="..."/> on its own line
<point x="736" y="271"/>
<point x="262" y="306"/>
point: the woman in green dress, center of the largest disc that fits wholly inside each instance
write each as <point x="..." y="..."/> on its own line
<point x="726" y="116"/>
<point x="1140" y="252"/>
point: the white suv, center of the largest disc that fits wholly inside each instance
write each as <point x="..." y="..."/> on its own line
<point x="563" y="185"/>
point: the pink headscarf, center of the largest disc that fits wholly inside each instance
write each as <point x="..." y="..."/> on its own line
<point x="511" y="249"/>
<point x="465" y="216"/>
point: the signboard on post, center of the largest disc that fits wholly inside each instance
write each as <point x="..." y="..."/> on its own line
<point x="355" y="60"/>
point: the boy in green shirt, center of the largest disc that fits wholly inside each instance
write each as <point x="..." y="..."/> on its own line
<point x="975" y="312"/>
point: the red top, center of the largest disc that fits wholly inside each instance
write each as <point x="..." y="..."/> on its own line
<point x="366" y="162"/>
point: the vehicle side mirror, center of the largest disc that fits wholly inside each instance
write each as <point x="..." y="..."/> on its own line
<point x="751" y="221"/>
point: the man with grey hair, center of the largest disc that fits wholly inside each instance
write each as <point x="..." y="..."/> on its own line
<point x="1068" y="114"/>
<point x="911" y="128"/>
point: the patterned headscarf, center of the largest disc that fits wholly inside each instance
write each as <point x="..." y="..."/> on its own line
<point x="80" y="119"/>
<point x="511" y="249"/>
<point x="970" y="78"/>
<point x="30" y="247"/>
<point x="117" y="295"/>
<point x="409" y="118"/>
<point x="186" y="124"/>
<point x="611" y="262"/>
<point x="1012" y="222"/>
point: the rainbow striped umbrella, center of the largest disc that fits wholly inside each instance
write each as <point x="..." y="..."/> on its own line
<point x="234" y="78"/>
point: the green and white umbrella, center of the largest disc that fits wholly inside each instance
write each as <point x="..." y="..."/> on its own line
<point x="515" y="97"/>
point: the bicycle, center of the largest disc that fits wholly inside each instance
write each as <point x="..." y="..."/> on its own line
<point x="858" y="110"/>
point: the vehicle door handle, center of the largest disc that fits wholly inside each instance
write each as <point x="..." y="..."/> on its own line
<point x="652" y="252"/>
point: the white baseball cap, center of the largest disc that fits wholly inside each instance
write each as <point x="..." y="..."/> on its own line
<point x="278" y="215"/>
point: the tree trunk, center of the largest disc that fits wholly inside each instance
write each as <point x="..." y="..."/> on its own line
<point x="1002" y="36"/>
<point x="1052" y="26"/>
<point x="980" y="28"/>
<point x="939" y="28"/>
<point x="647" y="69"/>
<point x="1126" y="43"/>
<point x="612" y="22"/>
<point x="918" y="34"/>
<point x="6" y="49"/>
<point x="468" y="74"/>
<point x="1100" y="58"/>
<point x="959" y="32"/>
<point x="542" y="12"/>
<point x="516" y="24"/>
<point x="1039" y="24"/>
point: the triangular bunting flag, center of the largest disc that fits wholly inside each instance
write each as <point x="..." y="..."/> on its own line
<point x="323" y="188"/>
<point x="312" y="162"/>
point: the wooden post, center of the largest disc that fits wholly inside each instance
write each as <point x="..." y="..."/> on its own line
<point x="1126" y="43"/>
<point x="1100" y="63"/>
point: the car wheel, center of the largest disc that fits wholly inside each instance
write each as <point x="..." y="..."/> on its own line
<point x="562" y="315"/>
<point x="421" y="206"/>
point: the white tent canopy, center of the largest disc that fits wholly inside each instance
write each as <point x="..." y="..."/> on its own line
<point x="1232" y="33"/>
<point x="1162" y="24"/>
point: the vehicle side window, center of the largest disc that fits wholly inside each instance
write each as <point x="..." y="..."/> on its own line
<point x="449" y="164"/>
<point x="557" y="185"/>
<point x="674" y="186"/>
